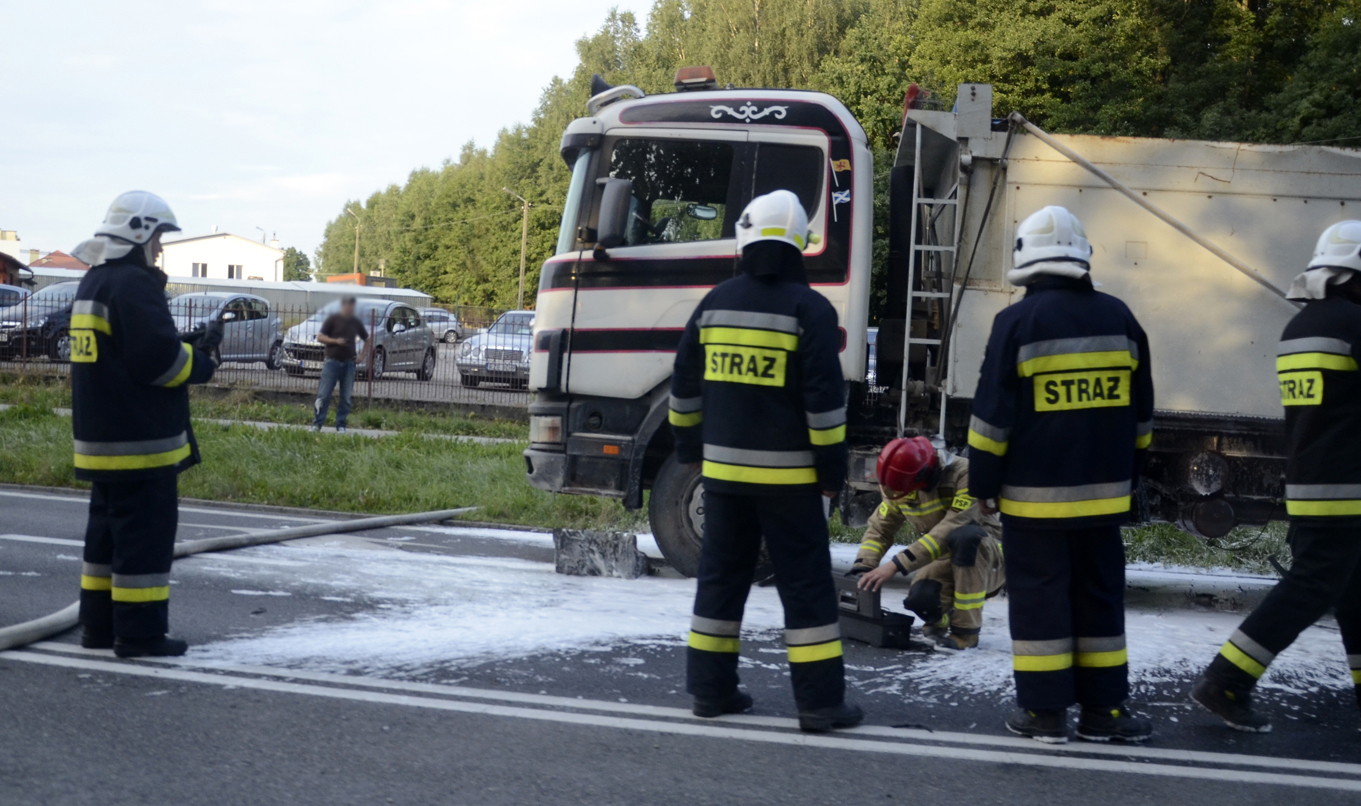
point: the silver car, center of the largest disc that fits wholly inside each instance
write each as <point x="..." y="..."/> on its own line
<point x="443" y="324"/>
<point x="399" y="341"/>
<point x="251" y="331"/>
<point x="501" y="353"/>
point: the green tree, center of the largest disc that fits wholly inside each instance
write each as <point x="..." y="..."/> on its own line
<point x="296" y="266"/>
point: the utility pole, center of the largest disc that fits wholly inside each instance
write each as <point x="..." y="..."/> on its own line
<point x="262" y="234"/>
<point x="356" y="239"/>
<point x="524" y="245"/>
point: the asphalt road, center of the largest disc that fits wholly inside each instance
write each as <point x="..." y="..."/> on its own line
<point x="267" y="708"/>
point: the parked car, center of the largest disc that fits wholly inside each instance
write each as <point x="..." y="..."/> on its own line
<point x="443" y="324"/>
<point x="400" y="339"/>
<point x="501" y="353"/>
<point x="11" y="295"/>
<point x="41" y="327"/>
<point x="251" y="331"/>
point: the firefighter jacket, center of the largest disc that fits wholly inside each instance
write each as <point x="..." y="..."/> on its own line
<point x="934" y="513"/>
<point x="1316" y="364"/>
<point x="1063" y="413"/>
<point x="129" y="372"/>
<point x="758" y="393"/>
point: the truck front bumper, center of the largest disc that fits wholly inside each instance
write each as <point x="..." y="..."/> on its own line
<point x="547" y="469"/>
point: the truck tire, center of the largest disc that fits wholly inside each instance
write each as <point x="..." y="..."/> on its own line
<point x="676" y="512"/>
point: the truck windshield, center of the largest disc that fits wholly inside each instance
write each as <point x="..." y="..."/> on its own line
<point x="680" y="189"/>
<point x="567" y="231"/>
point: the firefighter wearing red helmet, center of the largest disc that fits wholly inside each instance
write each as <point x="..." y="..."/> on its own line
<point x="957" y="561"/>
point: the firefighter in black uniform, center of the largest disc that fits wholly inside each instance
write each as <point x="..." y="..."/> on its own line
<point x="758" y="397"/>
<point x="129" y="376"/>
<point x="1062" y="417"/>
<point x="1317" y="366"/>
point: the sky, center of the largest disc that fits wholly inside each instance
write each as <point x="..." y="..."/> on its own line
<point x="247" y="114"/>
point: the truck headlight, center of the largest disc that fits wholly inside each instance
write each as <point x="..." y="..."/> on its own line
<point x="545" y="428"/>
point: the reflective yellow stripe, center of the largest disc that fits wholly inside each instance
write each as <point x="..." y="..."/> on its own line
<point x="931" y="545"/>
<point x="1316" y="361"/>
<point x="1356" y="676"/>
<point x="1241" y="659"/>
<point x="924" y="509"/>
<point x="141" y="594"/>
<point x="1042" y="663"/>
<point x="971" y="596"/>
<point x="1067" y="361"/>
<point x="133" y="462"/>
<point x="1101" y="660"/>
<point x="748" y="337"/>
<point x="685" y="420"/>
<point x="1308" y="508"/>
<point x="968" y="605"/>
<point x="88" y="321"/>
<point x="89" y="583"/>
<point x="760" y="475"/>
<point x="872" y="545"/>
<point x="830" y="436"/>
<point x="1065" y="509"/>
<point x="1143" y="441"/>
<point x="714" y="643"/>
<point x="977" y="440"/>
<point x="185" y="370"/>
<point x="815" y="652"/>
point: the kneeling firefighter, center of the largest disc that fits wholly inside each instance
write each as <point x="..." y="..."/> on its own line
<point x="958" y="558"/>
<point x="130" y="401"/>
<point x="758" y="397"/>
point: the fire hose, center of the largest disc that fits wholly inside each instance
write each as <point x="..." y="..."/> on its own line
<point x="66" y="618"/>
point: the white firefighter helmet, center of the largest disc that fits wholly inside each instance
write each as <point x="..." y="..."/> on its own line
<point x="1051" y="241"/>
<point x="136" y="216"/>
<point x="776" y="216"/>
<point x="1339" y="247"/>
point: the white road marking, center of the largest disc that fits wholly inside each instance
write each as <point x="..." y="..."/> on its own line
<point x="740" y="728"/>
<point x="55" y="541"/>
<point x="85" y="500"/>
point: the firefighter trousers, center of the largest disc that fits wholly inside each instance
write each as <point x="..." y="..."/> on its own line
<point x="129" y="544"/>
<point x="1326" y="572"/>
<point x="795" y="531"/>
<point x="1066" y="598"/>
<point x="950" y="587"/>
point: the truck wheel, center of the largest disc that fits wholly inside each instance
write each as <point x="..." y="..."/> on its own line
<point x="676" y="512"/>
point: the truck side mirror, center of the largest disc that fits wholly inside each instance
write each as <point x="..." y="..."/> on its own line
<point x="612" y="229"/>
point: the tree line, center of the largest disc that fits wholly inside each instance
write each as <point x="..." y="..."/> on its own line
<point x="1286" y="71"/>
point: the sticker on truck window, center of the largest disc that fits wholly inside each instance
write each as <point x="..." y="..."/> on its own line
<point x="755" y="365"/>
<point x="1092" y="389"/>
<point x="1301" y="388"/>
<point x="84" y="348"/>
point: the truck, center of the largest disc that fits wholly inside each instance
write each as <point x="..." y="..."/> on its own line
<point x="1198" y="238"/>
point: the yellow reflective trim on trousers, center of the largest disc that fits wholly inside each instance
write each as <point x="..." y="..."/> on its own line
<point x="714" y="643"/>
<point x="977" y="440"/>
<point x="88" y="321"/>
<point x="1356" y="676"/>
<point x="815" y="652"/>
<point x="680" y="420"/>
<point x="1316" y="361"/>
<point x="1042" y="663"/>
<point x="971" y="597"/>
<point x="141" y="594"/>
<point x="1141" y="442"/>
<point x="133" y="462"/>
<point x="829" y="436"/>
<point x="88" y="583"/>
<point x="759" y="475"/>
<point x="1067" y="361"/>
<point x="1065" y="509"/>
<point x="1336" y="507"/>
<point x="1241" y="659"/>
<point x="968" y="605"/>
<point x="1102" y="660"/>
<point x="183" y="374"/>
<point x="748" y="337"/>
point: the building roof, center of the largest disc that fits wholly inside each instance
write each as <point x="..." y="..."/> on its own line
<point x="58" y="260"/>
<point x="212" y="235"/>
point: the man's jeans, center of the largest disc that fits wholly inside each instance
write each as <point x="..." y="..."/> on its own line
<point x="333" y="372"/>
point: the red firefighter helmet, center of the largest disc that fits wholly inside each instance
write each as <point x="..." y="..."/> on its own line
<point x="906" y="465"/>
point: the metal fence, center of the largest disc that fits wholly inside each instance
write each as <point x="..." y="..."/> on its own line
<point x="463" y="355"/>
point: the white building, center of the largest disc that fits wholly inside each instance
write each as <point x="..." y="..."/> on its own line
<point x="223" y="256"/>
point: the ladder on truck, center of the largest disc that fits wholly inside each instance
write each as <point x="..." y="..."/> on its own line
<point x="930" y="276"/>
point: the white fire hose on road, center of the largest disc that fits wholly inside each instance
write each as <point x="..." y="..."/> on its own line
<point x="66" y="618"/>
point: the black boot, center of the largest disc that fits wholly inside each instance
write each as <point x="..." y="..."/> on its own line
<point x="1050" y="727"/>
<point x="96" y="639"/>
<point x="149" y="647"/>
<point x="739" y="702"/>
<point x="821" y="720"/>
<point x="1112" y="724"/>
<point x="1231" y="705"/>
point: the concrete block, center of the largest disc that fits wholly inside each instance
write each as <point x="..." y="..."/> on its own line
<point x="579" y="552"/>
